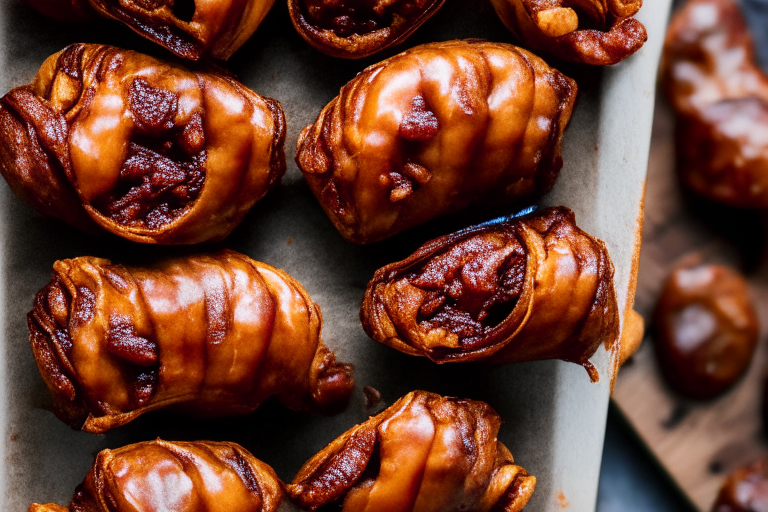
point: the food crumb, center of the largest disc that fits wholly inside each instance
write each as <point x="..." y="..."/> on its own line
<point x="372" y="396"/>
<point x="561" y="500"/>
<point x="289" y="241"/>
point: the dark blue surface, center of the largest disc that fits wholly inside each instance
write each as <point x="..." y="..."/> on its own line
<point x="757" y="18"/>
<point x="630" y="479"/>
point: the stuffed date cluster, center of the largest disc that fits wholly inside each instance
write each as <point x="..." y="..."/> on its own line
<point x="426" y="452"/>
<point x="720" y="94"/>
<point x="433" y="130"/>
<point x="111" y="139"/>
<point x="110" y="345"/>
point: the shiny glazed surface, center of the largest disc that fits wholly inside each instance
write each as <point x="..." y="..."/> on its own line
<point x="745" y="490"/>
<point x="432" y="130"/>
<point x="109" y="344"/>
<point x="720" y="94"/>
<point x="524" y="289"/>
<point x="191" y="29"/>
<point x="425" y="453"/>
<point x="706" y="330"/>
<point x="596" y="32"/>
<point x="113" y="139"/>
<point x="161" y="476"/>
<point x="353" y="29"/>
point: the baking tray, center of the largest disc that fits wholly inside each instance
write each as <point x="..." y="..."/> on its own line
<point x="554" y="417"/>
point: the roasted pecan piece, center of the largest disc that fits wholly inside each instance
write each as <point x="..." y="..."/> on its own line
<point x="523" y="289"/>
<point x="179" y="476"/>
<point x="596" y="32"/>
<point x="352" y="29"/>
<point x="432" y="130"/>
<point x="745" y="490"/>
<point x="426" y="452"/>
<point x="191" y="29"/>
<point x="720" y="94"/>
<point x="147" y="150"/>
<point x="706" y="329"/>
<point x="211" y="335"/>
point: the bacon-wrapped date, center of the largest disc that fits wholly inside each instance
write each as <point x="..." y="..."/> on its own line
<point x="596" y="32"/>
<point x="352" y="29"/>
<point x="211" y="335"/>
<point x="745" y="490"/>
<point x="145" y="149"/>
<point x="706" y="330"/>
<point x="427" y="453"/>
<point x="720" y="94"/>
<point x="191" y="29"/>
<point x="175" y="476"/>
<point x="432" y="130"/>
<point x="524" y="289"/>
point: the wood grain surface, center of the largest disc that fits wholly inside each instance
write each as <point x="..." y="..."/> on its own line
<point x="698" y="442"/>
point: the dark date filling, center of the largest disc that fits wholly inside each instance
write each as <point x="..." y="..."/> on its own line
<point x="348" y="17"/>
<point x="165" y="168"/>
<point x="473" y="287"/>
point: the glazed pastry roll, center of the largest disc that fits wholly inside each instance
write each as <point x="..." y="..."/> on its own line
<point x="745" y="490"/>
<point x="433" y="130"/>
<point x="425" y="453"/>
<point x="210" y="335"/>
<point x="113" y="139"/>
<point x="523" y="289"/>
<point x="596" y="32"/>
<point x="191" y="29"/>
<point x="175" y="476"/>
<point x="720" y="94"/>
<point x="352" y="29"/>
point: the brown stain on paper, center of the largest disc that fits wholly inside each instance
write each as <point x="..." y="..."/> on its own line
<point x="616" y="355"/>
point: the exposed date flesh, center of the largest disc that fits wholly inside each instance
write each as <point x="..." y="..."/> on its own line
<point x="354" y="29"/>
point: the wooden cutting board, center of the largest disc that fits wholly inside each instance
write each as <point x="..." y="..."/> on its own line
<point x="698" y="443"/>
